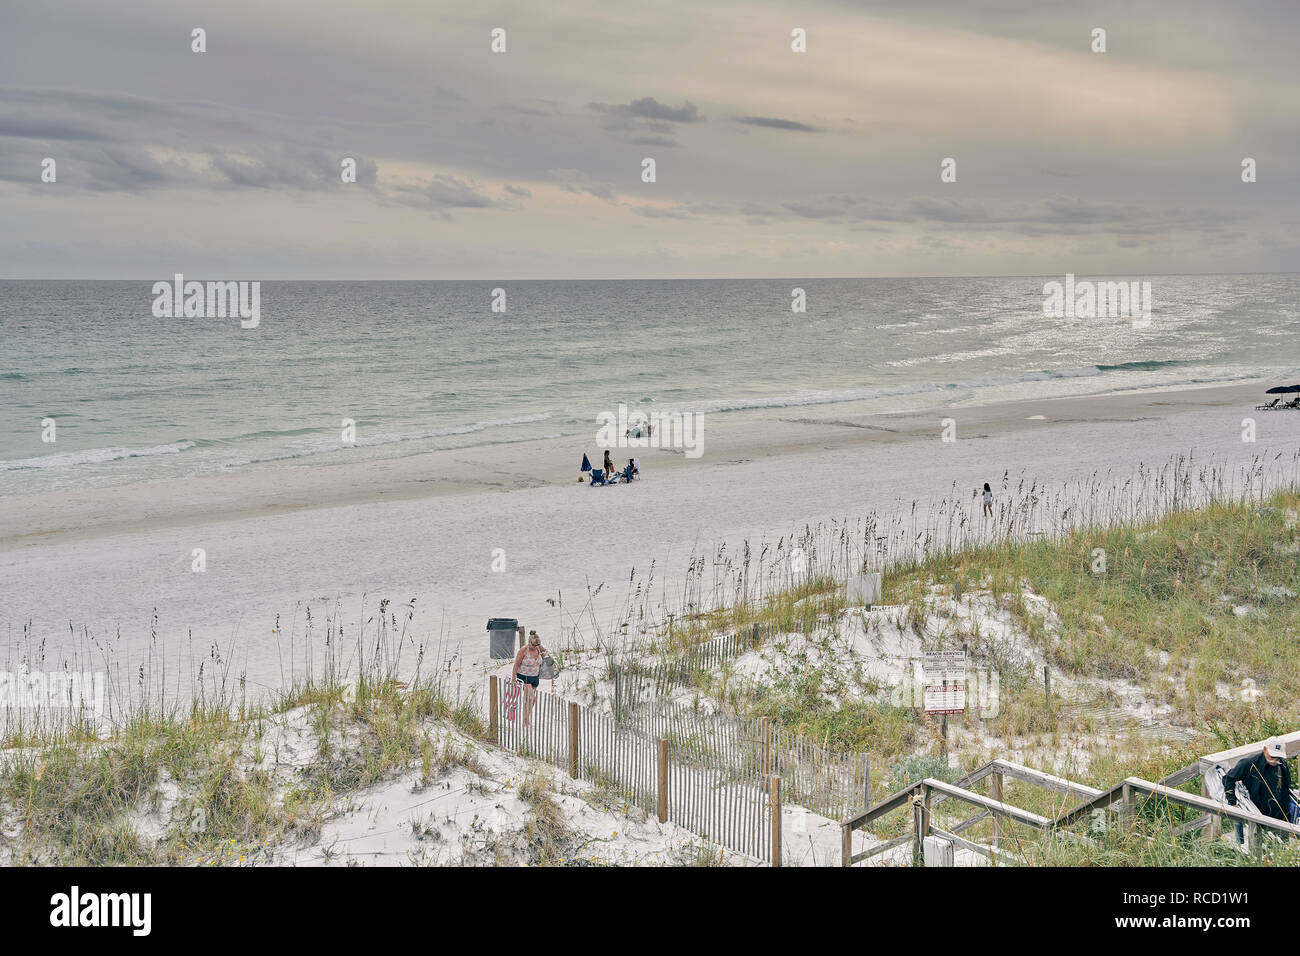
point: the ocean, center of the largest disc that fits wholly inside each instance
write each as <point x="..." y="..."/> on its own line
<point x="420" y="366"/>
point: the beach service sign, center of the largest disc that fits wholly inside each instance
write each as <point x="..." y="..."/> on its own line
<point x="945" y="682"/>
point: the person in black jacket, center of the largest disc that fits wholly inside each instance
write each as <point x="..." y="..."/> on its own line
<point x="1267" y="779"/>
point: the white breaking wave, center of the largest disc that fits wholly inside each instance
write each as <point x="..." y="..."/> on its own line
<point x="835" y="396"/>
<point x="93" y="456"/>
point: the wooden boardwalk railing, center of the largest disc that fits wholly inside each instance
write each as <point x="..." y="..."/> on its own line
<point x="1125" y="792"/>
<point x="925" y="794"/>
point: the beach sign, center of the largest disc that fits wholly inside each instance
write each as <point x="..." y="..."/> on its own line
<point x="945" y="682"/>
<point x="945" y="698"/>
<point x="945" y="667"/>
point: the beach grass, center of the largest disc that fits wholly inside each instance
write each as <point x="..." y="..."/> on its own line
<point x="1192" y="601"/>
<point x="1198" y="609"/>
<point x="1188" y="606"/>
<point x="1194" y="607"/>
<point x="214" y="779"/>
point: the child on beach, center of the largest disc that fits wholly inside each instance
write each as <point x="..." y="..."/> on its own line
<point x="609" y="465"/>
<point x="988" y="500"/>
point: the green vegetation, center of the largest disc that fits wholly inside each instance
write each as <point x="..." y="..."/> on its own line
<point x="1197" y="610"/>
<point x="1194" y="608"/>
<point x="1196" y="604"/>
<point x="213" y="780"/>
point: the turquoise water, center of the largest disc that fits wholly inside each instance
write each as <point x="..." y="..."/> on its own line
<point x="426" y="365"/>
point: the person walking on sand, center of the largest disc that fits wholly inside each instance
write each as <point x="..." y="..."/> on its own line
<point x="609" y="465"/>
<point x="988" y="500"/>
<point x="528" y="668"/>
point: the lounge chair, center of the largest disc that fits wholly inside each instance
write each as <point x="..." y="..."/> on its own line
<point x="1272" y="404"/>
<point x="1293" y="404"/>
<point x="598" y="477"/>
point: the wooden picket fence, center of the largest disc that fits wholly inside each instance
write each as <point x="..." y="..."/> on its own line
<point x="742" y="812"/>
<point x="836" y="785"/>
<point x="711" y="739"/>
<point x="636" y="684"/>
<point x="832" y="784"/>
<point x="546" y="736"/>
<point x="692" y="787"/>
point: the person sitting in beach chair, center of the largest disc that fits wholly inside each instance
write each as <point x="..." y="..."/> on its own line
<point x="628" y="473"/>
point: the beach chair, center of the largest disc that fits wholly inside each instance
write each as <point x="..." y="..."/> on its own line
<point x="626" y="474"/>
<point x="598" y="477"/>
<point x="1272" y="404"/>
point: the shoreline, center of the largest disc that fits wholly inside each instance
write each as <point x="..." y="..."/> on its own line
<point x="749" y="436"/>
<point x="467" y="537"/>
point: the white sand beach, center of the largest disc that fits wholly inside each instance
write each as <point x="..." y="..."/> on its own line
<point x="101" y="562"/>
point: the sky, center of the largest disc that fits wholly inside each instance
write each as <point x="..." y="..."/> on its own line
<point x="527" y="164"/>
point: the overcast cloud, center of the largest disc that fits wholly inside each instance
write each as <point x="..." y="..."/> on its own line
<point x="528" y="164"/>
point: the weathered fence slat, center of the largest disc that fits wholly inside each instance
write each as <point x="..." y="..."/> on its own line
<point x="694" y="783"/>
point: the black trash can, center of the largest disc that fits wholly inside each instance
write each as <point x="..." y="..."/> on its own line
<point x="503" y="634"/>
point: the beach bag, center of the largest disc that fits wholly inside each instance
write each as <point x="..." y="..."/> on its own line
<point x="550" y="670"/>
<point x="510" y="699"/>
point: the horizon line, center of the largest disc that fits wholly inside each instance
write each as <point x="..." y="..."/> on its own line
<point x="1030" y="275"/>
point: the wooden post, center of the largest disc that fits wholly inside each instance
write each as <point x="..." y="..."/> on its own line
<point x="493" y="728"/>
<point x="754" y="641"/>
<point x="1047" y="687"/>
<point x="943" y="738"/>
<point x="1213" y="829"/>
<point x="917" y="838"/>
<point x="765" y="731"/>
<point x="995" y="791"/>
<point x="775" y="785"/>
<point x="663" y="780"/>
<point x="573" y="738"/>
<point x="1127" y="799"/>
<point x="925" y="814"/>
<point x="520" y="632"/>
<point x="866" y="779"/>
<point x="846" y="846"/>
